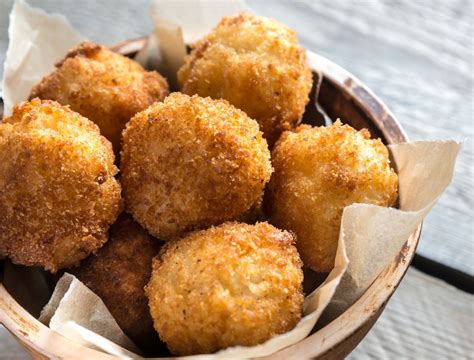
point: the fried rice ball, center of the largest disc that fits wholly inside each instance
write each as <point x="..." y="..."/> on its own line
<point x="318" y="172"/>
<point x="235" y="284"/>
<point x="191" y="162"/>
<point x="58" y="194"/>
<point x="103" y="86"/>
<point x="118" y="273"/>
<point x="257" y="65"/>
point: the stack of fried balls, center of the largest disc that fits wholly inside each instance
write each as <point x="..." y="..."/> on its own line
<point x="184" y="261"/>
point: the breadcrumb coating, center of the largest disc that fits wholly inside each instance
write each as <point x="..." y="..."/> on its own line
<point x="318" y="172"/>
<point x="58" y="194"/>
<point x="235" y="284"/>
<point x="191" y="162"/>
<point x="118" y="273"/>
<point x="257" y="65"/>
<point x="103" y="86"/>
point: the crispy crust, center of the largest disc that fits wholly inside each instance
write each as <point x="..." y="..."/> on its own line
<point x="103" y="86"/>
<point x="192" y="162"/>
<point x="318" y="172"/>
<point x="235" y="284"/>
<point x="118" y="273"/>
<point x="257" y="65"/>
<point x="58" y="194"/>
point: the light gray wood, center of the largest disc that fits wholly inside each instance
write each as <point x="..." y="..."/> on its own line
<point x="10" y="349"/>
<point x="425" y="319"/>
<point x="415" y="55"/>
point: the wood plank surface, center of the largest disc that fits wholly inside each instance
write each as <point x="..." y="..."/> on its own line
<point x="425" y="319"/>
<point x="415" y="55"/>
<point x="9" y="347"/>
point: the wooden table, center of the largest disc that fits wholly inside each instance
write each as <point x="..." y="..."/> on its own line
<point x="417" y="57"/>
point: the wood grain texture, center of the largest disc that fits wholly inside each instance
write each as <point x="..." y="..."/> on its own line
<point x="426" y="318"/>
<point x="10" y="349"/>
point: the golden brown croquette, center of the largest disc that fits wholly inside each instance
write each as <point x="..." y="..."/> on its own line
<point x="58" y="194"/>
<point x="191" y="162"/>
<point x="318" y="172"/>
<point x="118" y="273"/>
<point x="257" y="65"/>
<point x="234" y="284"/>
<point x="103" y="86"/>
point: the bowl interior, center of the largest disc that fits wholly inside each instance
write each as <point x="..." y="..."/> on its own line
<point x="342" y="96"/>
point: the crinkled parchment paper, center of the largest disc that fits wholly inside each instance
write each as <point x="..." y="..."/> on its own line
<point x="62" y="310"/>
<point x="370" y="235"/>
<point x="373" y="235"/>
<point x="37" y="41"/>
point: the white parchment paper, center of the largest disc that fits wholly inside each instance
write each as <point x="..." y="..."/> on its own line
<point x="62" y="309"/>
<point x="37" y="40"/>
<point x="373" y="235"/>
